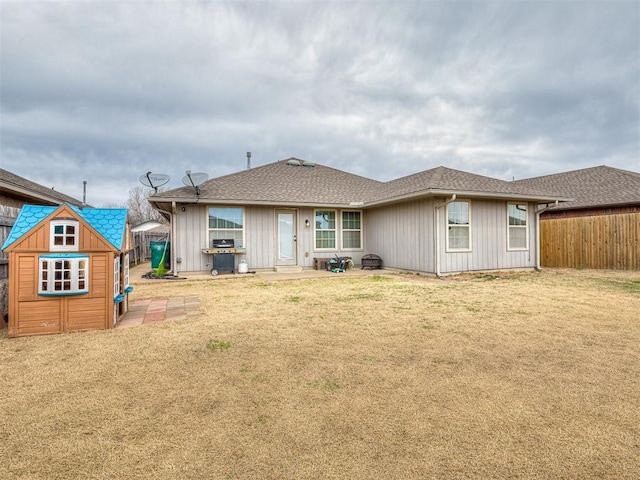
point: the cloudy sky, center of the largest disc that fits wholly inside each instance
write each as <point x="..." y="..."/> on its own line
<point x="105" y="91"/>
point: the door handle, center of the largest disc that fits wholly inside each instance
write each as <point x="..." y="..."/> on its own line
<point x="295" y="238"/>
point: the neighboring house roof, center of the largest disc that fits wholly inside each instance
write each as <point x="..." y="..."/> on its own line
<point x="591" y="187"/>
<point x="304" y="183"/>
<point x="108" y="222"/>
<point x="20" y="187"/>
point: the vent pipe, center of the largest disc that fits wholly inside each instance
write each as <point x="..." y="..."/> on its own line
<point x="84" y="193"/>
<point x="248" y="160"/>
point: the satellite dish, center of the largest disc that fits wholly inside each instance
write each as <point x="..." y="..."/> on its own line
<point x="154" y="180"/>
<point x="194" y="180"/>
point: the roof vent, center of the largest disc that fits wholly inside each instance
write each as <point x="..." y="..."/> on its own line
<point x="294" y="162"/>
<point x="308" y="164"/>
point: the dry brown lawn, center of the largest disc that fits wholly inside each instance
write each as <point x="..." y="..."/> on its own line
<point x="529" y="375"/>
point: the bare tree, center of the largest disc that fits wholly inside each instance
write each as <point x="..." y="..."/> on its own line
<point x="140" y="210"/>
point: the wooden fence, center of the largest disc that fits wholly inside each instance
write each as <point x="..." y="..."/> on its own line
<point x="142" y="245"/>
<point x="602" y="242"/>
<point x="7" y="219"/>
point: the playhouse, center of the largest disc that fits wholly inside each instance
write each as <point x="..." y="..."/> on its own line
<point x="68" y="269"/>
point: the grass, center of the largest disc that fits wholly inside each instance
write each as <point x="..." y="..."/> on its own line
<point x="530" y="375"/>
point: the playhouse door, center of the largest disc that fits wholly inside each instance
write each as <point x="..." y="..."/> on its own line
<point x="286" y="238"/>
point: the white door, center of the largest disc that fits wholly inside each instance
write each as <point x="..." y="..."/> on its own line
<point x="287" y="238"/>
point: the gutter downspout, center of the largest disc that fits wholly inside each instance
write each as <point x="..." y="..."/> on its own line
<point x="538" y="212"/>
<point x="438" y="207"/>
<point x="174" y="247"/>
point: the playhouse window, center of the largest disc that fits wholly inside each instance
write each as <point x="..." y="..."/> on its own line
<point x="64" y="235"/>
<point x="518" y="232"/>
<point x="459" y="226"/>
<point x="325" y="229"/>
<point x="226" y="223"/>
<point x="116" y="276"/>
<point x="63" y="275"/>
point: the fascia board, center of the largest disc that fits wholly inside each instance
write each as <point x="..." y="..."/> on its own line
<point x="467" y="194"/>
<point x="212" y="201"/>
<point x="10" y="187"/>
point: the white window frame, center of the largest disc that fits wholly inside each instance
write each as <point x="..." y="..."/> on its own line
<point x="334" y="230"/>
<point x="126" y="270"/>
<point x="212" y="232"/>
<point x="65" y="247"/>
<point x="116" y="276"/>
<point x="71" y="272"/>
<point x="343" y="230"/>
<point x="525" y="227"/>
<point x="450" y="226"/>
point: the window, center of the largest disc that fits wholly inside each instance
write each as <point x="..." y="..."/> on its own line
<point x="116" y="276"/>
<point x="351" y="230"/>
<point x="459" y="226"/>
<point x="64" y="235"/>
<point x="226" y="223"/>
<point x="63" y="274"/>
<point x="518" y="235"/>
<point x="126" y="270"/>
<point x="325" y="229"/>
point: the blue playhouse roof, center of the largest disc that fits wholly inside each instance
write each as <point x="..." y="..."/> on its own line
<point x="108" y="222"/>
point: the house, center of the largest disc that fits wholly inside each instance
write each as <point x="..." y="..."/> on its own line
<point x="15" y="191"/>
<point x="69" y="269"/>
<point x="600" y="227"/>
<point x="290" y="213"/>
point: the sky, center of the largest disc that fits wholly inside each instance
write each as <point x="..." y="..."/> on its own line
<point x="106" y="91"/>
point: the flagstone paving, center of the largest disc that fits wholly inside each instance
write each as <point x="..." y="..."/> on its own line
<point x="159" y="310"/>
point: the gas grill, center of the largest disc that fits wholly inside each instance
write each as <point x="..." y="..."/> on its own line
<point x="224" y="254"/>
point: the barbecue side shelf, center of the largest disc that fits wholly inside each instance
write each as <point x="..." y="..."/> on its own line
<point x="224" y="259"/>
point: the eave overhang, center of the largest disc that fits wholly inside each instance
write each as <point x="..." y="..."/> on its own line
<point x="467" y="194"/>
<point x="164" y="203"/>
<point x="30" y="195"/>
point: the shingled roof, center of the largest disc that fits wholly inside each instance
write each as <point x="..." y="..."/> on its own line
<point x="591" y="187"/>
<point x="18" y="186"/>
<point x="108" y="222"/>
<point x="294" y="181"/>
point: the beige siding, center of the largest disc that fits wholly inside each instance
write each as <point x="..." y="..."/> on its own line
<point x="259" y="231"/>
<point x="402" y="235"/>
<point x="260" y="238"/>
<point x="488" y="240"/>
<point x="191" y="239"/>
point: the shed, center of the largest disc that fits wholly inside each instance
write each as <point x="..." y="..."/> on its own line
<point x="69" y="269"/>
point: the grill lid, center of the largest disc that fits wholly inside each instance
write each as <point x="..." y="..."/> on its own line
<point x="223" y="243"/>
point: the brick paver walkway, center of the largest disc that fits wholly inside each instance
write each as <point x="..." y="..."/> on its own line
<point x="159" y="310"/>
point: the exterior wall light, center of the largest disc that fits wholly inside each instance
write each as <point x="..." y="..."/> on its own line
<point x="307" y="223"/>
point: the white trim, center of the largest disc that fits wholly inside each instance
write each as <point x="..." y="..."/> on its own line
<point x="116" y="276"/>
<point x="334" y="230"/>
<point x="525" y="226"/>
<point x="343" y="230"/>
<point x="65" y="236"/>
<point x="73" y="277"/>
<point x="240" y="244"/>
<point x="467" y="226"/>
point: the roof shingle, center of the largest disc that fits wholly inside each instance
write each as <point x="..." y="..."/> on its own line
<point x="591" y="187"/>
<point x="289" y="181"/>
